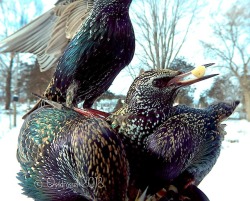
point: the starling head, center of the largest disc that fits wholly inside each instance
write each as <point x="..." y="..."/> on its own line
<point x="157" y="89"/>
<point x="221" y="111"/>
<point x="152" y="86"/>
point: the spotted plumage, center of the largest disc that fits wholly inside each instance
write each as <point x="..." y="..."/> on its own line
<point x="149" y="102"/>
<point x="150" y="125"/>
<point x="99" y="51"/>
<point x="186" y="146"/>
<point x="66" y="156"/>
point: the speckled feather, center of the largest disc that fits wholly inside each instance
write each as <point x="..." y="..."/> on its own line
<point x="164" y="143"/>
<point x="146" y="106"/>
<point x="186" y="146"/>
<point x="66" y="156"/>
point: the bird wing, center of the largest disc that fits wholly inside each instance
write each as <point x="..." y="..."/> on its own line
<point x="173" y="143"/>
<point x="187" y="142"/>
<point x="48" y="35"/>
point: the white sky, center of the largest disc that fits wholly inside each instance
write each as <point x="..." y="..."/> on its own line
<point x="48" y="4"/>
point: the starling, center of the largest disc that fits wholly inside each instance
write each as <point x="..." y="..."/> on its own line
<point x="168" y="145"/>
<point x="71" y="157"/>
<point x="149" y="103"/>
<point x="101" y="48"/>
<point x="99" y="51"/>
<point x="185" y="147"/>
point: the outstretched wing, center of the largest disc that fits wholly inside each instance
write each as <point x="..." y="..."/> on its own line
<point x="48" y="35"/>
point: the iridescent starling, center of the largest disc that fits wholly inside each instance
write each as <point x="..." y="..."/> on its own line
<point x="185" y="147"/>
<point x="66" y="156"/>
<point x="149" y="103"/>
<point x="100" y="49"/>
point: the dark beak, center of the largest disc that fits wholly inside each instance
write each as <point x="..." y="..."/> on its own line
<point x="179" y="82"/>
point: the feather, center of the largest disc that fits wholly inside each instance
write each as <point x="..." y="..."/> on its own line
<point x="48" y="35"/>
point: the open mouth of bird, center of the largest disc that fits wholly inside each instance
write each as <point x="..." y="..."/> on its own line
<point x="181" y="80"/>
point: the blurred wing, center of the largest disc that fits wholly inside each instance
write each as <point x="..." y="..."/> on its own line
<point x="48" y="35"/>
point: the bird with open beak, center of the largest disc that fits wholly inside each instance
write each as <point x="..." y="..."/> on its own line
<point x="149" y="103"/>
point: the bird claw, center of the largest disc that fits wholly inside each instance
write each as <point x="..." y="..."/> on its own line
<point x="194" y="193"/>
<point x="191" y="193"/>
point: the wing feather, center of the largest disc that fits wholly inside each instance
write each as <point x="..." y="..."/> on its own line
<point x="48" y="35"/>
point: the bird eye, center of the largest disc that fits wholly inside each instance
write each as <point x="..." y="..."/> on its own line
<point x="161" y="82"/>
<point x="157" y="83"/>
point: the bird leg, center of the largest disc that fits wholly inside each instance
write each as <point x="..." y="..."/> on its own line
<point x="92" y="112"/>
<point x="85" y="112"/>
<point x="191" y="193"/>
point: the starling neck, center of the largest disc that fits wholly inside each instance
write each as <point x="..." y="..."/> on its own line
<point x="137" y="126"/>
<point x="143" y="107"/>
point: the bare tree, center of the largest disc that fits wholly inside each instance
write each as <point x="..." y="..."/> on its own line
<point x="31" y="80"/>
<point x="7" y="60"/>
<point x="223" y="89"/>
<point x="13" y="15"/>
<point x="231" y="44"/>
<point x="162" y="27"/>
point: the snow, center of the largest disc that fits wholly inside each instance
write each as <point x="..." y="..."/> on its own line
<point x="228" y="180"/>
<point x="10" y="190"/>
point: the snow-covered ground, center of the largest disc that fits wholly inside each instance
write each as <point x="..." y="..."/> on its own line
<point x="229" y="179"/>
<point x="10" y="190"/>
